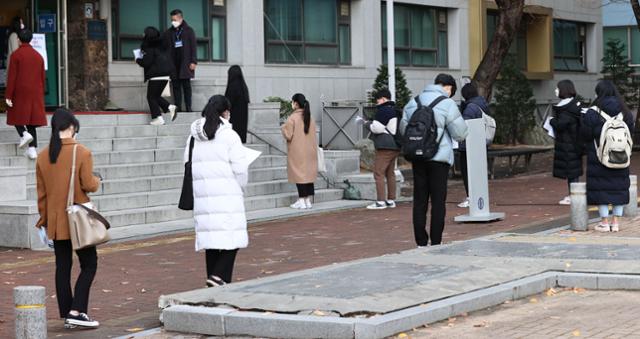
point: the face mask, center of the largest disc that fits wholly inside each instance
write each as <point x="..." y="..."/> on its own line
<point x="21" y="26"/>
<point x="176" y="24"/>
<point x="557" y="92"/>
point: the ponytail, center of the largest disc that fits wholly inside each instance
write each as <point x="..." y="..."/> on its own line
<point x="60" y="121"/>
<point x="306" y="114"/>
<point x="212" y="112"/>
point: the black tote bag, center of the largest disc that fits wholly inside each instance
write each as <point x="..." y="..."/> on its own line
<point x="186" y="197"/>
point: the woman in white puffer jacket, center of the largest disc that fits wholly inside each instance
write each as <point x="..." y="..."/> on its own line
<point x="220" y="171"/>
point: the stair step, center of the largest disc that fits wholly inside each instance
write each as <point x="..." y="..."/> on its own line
<point x="170" y="212"/>
<point x="108" y="132"/>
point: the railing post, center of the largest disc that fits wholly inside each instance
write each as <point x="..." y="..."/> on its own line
<point x="579" y="211"/>
<point x="31" y="313"/>
<point x="631" y="209"/>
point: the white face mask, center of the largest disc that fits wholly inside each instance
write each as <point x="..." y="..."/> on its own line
<point x="21" y="26"/>
<point x="557" y="92"/>
<point x="176" y="24"/>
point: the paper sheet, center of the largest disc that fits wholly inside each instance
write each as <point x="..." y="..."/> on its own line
<point x="252" y="155"/>
<point x="137" y="53"/>
<point x="547" y="126"/>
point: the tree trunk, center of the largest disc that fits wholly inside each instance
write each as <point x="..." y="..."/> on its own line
<point x="508" y="24"/>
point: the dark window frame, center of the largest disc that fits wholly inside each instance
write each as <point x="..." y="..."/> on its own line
<point x="209" y="11"/>
<point x="582" y="41"/>
<point x="340" y="21"/>
<point x="440" y="28"/>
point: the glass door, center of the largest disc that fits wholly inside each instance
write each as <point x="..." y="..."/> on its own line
<point x="46" y="20"/>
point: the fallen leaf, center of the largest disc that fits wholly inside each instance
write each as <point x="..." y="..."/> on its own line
<point x="533" y="300"/>
<point x="576" y="333"/>
<point x="578" y="290"/>
<point x="135" y="329"/>
<point x="319" y="313"/>
<point x="143" y="291"/>
<point x="573" y="239"/>
<point x="484" y="323"/>
<point x="124" y="283"/>
<point x="551" y="292"/>
<point x="403" y="335"/>
<point x="107" y="291"/>
<point x="129" y="299"/>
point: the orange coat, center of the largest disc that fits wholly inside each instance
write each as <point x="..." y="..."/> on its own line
<point x="25" y="87"/>
<point x="302" y="150"/>
<point x="53" y="186"/>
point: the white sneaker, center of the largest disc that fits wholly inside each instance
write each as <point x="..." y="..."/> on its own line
<point x="391" y="204"/>
<point x="565" y="201"/>
<point x="299" y="205"/>
<point x="307" y="204"/>
<point x="159" y="121"/>
<point x="602" y="228"/>
<point x="172" y="112"/>
<point x="25" y="139"/>
<point x="615" y="228"/>
<point x="31" y="153"/>
<point x="464" y="203"/>
<point x="378" y="205"/>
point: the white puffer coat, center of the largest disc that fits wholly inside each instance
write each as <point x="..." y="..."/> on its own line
<point x="220" y="171"/>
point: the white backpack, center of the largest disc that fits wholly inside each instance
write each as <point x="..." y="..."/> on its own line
<point x="489" y="126"/>
<point x="614" y="150"/>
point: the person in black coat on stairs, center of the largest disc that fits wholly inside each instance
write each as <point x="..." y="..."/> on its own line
<point x="157" y="69"/>
<point x="568" y="148"/>
<point x="605" y="186"/>
<point x="238" y="94"/>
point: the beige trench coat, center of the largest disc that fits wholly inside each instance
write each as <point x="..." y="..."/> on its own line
<point x="302" y="157"/>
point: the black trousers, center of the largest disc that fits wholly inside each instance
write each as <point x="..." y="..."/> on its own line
<point x="464" y="168"/>
<point x="180" y="85"/>
<point x="429" y="182"/>
<point x="79" y="300"/>
<point x="305" y="190"/>
<point x="32" y="131"/>
<point x="220" y="263"/>
<point x="157" y="104"/>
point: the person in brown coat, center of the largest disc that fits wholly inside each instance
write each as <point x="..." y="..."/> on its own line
<point x="53" y="172"/>
<point x="302" y="150"/>
<point x="25" y="93"/>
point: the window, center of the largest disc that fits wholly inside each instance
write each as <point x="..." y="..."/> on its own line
<point x="569" y="46"/>
<point x="206" y="17"/>
<point x="518" y="47"/>
<point x="630" y="37"/>
<point x="307" y="31"/>
<point x="420" y="36"/>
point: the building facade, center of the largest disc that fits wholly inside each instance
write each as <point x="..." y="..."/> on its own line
<point x="619" y="22"/>
<point x="330" y="49"/>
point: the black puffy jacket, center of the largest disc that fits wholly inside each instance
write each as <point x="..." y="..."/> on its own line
<point x="156" y="60"/>
<point x="569" y="146"/>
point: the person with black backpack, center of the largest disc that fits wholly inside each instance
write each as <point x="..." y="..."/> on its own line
<point x="430" y="123"/>
<point x="157" y="68"/>
<point x="383" y="133"/>
<point x="606" y="128"/>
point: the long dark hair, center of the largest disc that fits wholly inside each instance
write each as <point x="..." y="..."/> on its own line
<point x="236" y="84"/>
<point x="212" y="112"/>
<point x="304" y="104"/>
<point x="15" y="25"/>
<point x="606" y="88"/>
<point x="60" y="121"/>
<point x="151" y="38"/>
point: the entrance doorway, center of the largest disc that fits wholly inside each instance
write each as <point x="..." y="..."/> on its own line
<point x="42" y="17"/>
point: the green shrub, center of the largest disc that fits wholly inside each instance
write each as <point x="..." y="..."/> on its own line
<point x="285" y="106"/>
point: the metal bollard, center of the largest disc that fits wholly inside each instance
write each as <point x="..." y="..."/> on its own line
<point x="579" y="211"/>
<point x="31" y="313"/>
<point x="631" y="209"/>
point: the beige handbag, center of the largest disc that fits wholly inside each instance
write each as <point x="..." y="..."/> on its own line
<point x="86" y="226"/>
<point x="166" y="92"/>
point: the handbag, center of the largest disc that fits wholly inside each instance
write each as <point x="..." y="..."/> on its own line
<point x="322" y="166"/>
<point x="87" y="227"/>
<point x="166" y="92"/>
<point x="385" y="141"/>
<point x="351" y="192"/>
<point x="186" y="196"/>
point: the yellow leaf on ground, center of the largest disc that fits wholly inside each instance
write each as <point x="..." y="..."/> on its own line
<point x="533" y="300"/>
<point x="551" y="292"/>
<point x="135" y="329"/>
<point x="576" y="333"/>
<point x="403" y="335"/>
<point x="577" y="290"/>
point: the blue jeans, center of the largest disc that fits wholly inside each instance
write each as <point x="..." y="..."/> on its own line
<point x="604" y="210"/>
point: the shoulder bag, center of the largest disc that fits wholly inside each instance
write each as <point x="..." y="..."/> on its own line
<point x="186" y="197"/>
<point x="87" y="227"/>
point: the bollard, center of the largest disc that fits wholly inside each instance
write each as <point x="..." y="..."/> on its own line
<point x="31" y="313"/>
<point x="579" y="212"/>
<point x="631" y="209"/>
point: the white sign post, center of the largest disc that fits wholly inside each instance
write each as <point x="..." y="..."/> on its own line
<point x="479" y="210"/>
<point x="39" y="43"/>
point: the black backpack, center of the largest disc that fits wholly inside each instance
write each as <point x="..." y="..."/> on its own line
<point x="420" y="139"/>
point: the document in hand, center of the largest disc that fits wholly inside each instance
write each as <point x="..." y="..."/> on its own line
<point x="547" y="126"/>
<point x="137" y="53"/>
<point x="251" y="155"/>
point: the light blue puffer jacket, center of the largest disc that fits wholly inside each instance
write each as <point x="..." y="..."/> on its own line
<point x="447" y="116"/>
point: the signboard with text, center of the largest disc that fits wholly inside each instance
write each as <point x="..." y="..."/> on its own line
<point x="39" y="43"/>
<point x="46" y="23"/>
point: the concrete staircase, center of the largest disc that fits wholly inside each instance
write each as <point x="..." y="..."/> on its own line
<point x="143" y="170"/>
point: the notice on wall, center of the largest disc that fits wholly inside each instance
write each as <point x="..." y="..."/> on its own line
<point x="39" y="43"/>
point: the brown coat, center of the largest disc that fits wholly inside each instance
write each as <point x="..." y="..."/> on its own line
<point x="53" y="186"/>
<point x="302" y="157"/>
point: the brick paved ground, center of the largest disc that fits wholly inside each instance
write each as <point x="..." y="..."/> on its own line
<point x="132" y="275"/>
<point x="568" y="314"/>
